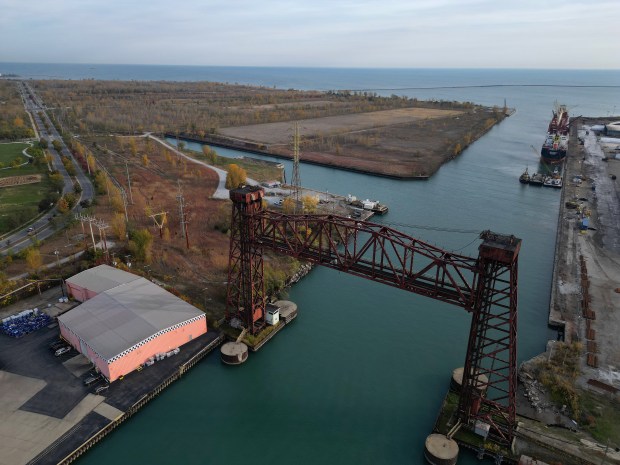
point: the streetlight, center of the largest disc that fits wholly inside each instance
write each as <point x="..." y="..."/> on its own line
<point x="57" y="253"/>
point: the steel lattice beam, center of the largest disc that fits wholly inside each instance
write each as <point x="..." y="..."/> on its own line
<point x="486" y="286"/>
<point x="490" y="373"/>
<point x="245" y="299"/>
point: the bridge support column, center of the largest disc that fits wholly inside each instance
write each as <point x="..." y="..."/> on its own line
<point x="245" y="299"/>
<point x="490" y="373"/>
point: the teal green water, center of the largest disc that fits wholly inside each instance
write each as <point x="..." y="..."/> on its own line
<point x="358" y="378"/>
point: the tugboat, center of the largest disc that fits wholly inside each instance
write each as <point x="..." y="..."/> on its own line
<point x="525" y="177"/>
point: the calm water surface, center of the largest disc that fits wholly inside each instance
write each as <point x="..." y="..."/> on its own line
<point x="360" y="375"/>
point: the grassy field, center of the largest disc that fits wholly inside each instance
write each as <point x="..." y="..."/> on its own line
<point x="254" y="168"/>
<point x="602" y="418"/>
<point x="8" y="152"/>
<point x="19" y="204"/>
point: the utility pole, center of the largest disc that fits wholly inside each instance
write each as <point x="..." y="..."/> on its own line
<point x="124" y="195"/>
<point x="92" y="235"/>
<point x="181" y="201"/>
<point x="155" y="217"/>
<point x="102" y="226"/>
<point x="296" y="179"/>
<point x="129" y="182"/>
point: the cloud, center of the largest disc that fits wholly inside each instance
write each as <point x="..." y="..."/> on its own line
<point x="424" y="33"/>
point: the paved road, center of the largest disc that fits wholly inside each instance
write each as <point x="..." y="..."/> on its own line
<point x="41" y="228"/>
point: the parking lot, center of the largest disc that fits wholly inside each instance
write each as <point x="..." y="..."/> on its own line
<point x="47" y="409"/>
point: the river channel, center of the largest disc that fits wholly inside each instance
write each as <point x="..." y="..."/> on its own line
<point x="359" y="376"/>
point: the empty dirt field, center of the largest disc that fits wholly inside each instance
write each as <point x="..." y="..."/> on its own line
<point x="401" y="143"/>
<point x="280" y="133"/>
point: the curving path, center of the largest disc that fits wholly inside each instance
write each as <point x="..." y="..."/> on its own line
<point x="221" y="192"/>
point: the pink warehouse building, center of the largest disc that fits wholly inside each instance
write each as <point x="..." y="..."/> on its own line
<point x="124" y="320"/>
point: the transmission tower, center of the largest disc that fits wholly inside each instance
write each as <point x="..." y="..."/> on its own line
<point x="296" y="179"/>
<point x="183" y="215"/>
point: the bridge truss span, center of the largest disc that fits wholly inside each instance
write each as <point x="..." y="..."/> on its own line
<point x="372" y="251"/>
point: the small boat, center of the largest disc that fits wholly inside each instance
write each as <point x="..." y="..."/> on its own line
<point x="374" y="206"/>
<point x="525" y="177"/>
<point x="537" y="179"/>
<point x="551" y="181"/>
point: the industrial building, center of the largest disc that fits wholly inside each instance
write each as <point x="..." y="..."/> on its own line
<point x="125" y="320"/>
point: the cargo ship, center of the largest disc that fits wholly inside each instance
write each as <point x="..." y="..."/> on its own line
<point x="556" y="143"/>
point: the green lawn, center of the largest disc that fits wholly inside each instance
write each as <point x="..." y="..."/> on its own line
<point x="8" y="152"/>
<point x="19" y="204"/>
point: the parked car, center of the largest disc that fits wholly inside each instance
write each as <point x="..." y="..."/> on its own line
<point x="91" y="379"/>
<point x="62" y="350"/>
<point x="54" y="346"/>
<point x="102" y="388"/>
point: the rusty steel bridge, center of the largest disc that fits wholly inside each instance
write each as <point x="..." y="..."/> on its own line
<point x="485" y="286"/>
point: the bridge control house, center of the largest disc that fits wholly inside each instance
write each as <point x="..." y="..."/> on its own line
<point x="124" y="320"/>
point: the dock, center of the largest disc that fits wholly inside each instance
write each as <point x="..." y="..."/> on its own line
<point x="328" y="202"/>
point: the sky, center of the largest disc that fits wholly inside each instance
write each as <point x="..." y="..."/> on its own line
<point x="331" y="33"/>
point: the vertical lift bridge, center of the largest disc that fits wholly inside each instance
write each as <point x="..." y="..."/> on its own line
<point x="485" y="286"/>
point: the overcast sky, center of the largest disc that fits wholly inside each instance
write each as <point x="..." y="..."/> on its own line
<point x="332" y="33"/>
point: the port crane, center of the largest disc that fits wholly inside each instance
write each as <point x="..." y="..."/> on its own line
<point x="485" y="286"/>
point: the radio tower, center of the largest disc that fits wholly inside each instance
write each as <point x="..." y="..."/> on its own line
<point x="296" y="180"/>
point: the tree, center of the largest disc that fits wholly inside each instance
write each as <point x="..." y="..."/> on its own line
<point x="457" y="149"/>
<point x="119" y="227"/>
<point x="288" y="205"/>
<point x="145" y="160"/>
<point x="310" y="203"/>
<point x="33" y="259"/>
<point x="141" y="244"/>
<point x="101" y="182"/>
<point x="18" y="122"/>
<point x="57" y="145"/>
<point x="43" y="143"/>
<point x="236" y="176"/>
<point x="133" y="147"/>
<point x="90" y="162"/>
<point x="62" y="205"/>
<point x="210" y="154"/>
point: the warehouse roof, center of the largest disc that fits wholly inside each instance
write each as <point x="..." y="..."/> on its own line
<point x="119" y="318"/>
<point x="101" y="278"/>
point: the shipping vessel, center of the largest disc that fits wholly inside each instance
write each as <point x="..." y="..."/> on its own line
<point x="556" y="143"/>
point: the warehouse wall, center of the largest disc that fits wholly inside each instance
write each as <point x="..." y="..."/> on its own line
<point x="161" y="344"/>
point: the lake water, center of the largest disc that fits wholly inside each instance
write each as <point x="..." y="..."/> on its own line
<point x="360" y="375"/>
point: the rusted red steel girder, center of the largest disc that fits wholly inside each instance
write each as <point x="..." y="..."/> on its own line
<point x="372" y="251"/>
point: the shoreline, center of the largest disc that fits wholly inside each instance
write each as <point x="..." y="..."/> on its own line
<point x="249" y="147"/>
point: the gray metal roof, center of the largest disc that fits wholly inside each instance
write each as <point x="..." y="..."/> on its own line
<point x="101" y="278"/>
<point x="118" y="318"/>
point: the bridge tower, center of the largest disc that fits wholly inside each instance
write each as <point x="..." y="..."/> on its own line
<point x="490" y="374"/>
<point x="245" y="299"/>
